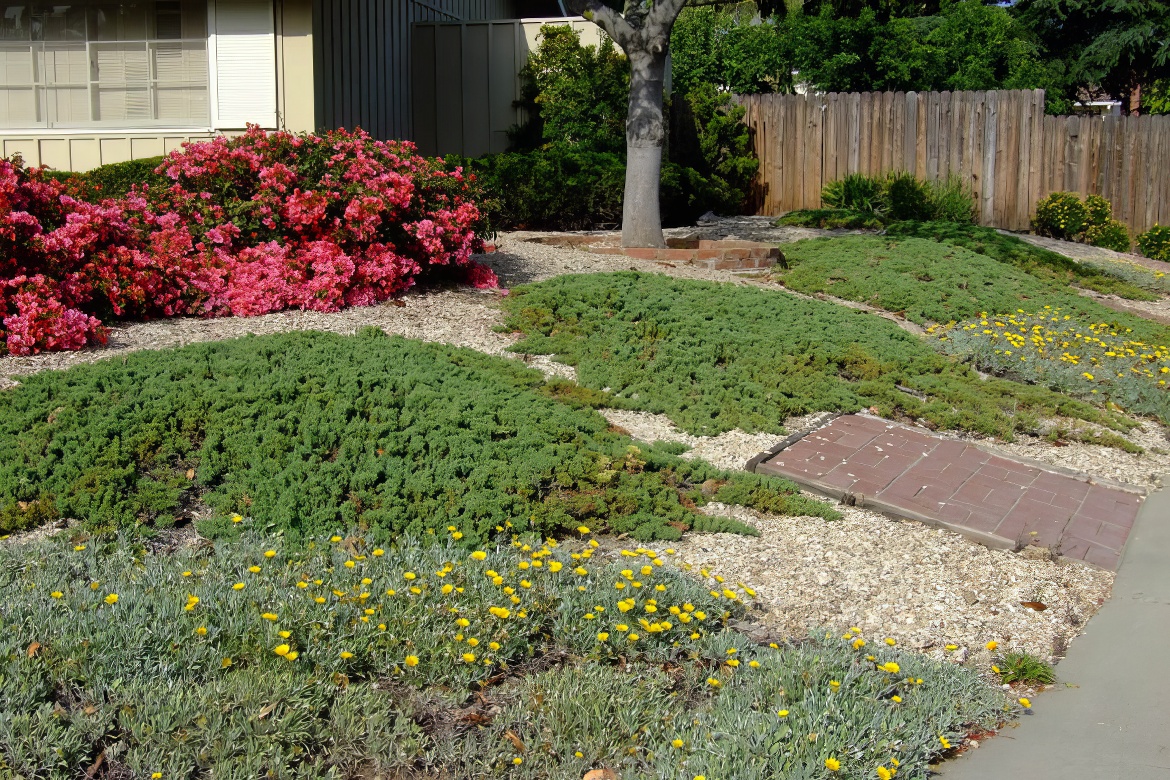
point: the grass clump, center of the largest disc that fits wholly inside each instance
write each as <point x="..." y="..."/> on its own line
<point x="311" y="431"/>
<point x="1041" y="263"/>
<point x="333" y="658"/>
<point x="720" y="356"/>
<point x="1023" y="668"/>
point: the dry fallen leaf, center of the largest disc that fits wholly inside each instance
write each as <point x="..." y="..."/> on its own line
<point x="515" y="740"/>
<point x="266" y="711"/>
<point x="600" y="774"/>
<point x="1036" y="605"/>
<point x="33" y="649"/>
<point x="190" y="473"/>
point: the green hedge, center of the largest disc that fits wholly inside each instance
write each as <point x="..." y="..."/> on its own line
<point x="310" y="432"/>
<point x="113" y="180"/>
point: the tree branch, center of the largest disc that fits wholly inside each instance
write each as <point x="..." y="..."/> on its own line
<point x="609" y="20"/>
<point x="666" y="11"/>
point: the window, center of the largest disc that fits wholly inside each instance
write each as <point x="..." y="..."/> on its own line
<point x="96" y="63"/>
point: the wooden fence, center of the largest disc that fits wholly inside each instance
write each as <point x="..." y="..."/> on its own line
<point x="1000" y="143"/>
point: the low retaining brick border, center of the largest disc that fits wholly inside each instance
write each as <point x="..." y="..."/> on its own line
<point x="714" y="255"/>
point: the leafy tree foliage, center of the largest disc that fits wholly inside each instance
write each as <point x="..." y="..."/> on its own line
<point x="1119" y="46"/>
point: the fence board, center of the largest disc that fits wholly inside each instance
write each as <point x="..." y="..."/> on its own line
<point x="1000" y="143"/>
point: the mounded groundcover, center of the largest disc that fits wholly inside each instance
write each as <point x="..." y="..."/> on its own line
<point x="309" y="433"/>
<point x="714" y="357"/>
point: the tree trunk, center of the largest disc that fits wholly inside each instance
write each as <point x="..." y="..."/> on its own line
<point x="645" y="133"/>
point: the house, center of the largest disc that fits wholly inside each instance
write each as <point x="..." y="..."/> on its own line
<point x="89" y="82"/>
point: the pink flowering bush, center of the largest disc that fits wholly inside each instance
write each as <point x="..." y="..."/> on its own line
<point x="248" y="225"/>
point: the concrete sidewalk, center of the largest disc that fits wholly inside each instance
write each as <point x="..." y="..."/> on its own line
<point x="1116" y="723"/>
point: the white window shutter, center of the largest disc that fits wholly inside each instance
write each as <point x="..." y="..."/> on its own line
<point x="244" y="61"/>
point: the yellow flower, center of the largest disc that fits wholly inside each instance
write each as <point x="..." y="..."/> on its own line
<point x="78" y="547"/>
<point x="992" y="645"/>
<point x="319" y="599"/>
<point x="186" y="574"/>
<point x="995" y="668"/>
<point x="473" y="642"/>
<point x="754" y="664"/>
<point x="457" y="535"/>
<point x="834" y="684"/>
<point x="225" y="663"/>
<point x="469" y="658"/>
<point x="896" y="699"/>
<point x="269" y="616"/>
<point x="891" y="641"/>
<point x="712" y="682"/>
<point x="350" y="564"/>
<point x="292" y="656"/>
<point x="238" y="586"/>
<point x="581" y="529"/>
<point x="284" y="634"/>
<point x="555" y="566"/>
<point x="281" y="649"/>
<point x="890" y="667"/>
<point x="945" y="743"/>
<point x="201" y="631"/>
<point x="56" y="594"/>
<point x="335" y="538"/>
<point x="346" y="655"/>
<point x="270" y="553"/>
<point x="602" y="637"/>
<point x="832" y="764"/>
<point x="254" y="569"/>
<point x="580" y="571"/>
<point x="883" y="773"/>
<point x="858" y="643"/>
<point x="111" y="599"/>
<point x="95" y="585"/>
<point x="676" y="743"/>
<point x="155" y="775"/>
<point x="479" y="555"/>
<point x="952" y="647"/>
<point x="517" y="761"/>
<point x="732" y="662"/>
<point x="238" y="519"/>
<point x="782" y="714"/>
<point x="1026" y="704"/>
<point x="411" y="660"/>
<point x="633" y="637"/>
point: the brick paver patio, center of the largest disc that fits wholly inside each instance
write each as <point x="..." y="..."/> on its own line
<point x="996" y="500"/>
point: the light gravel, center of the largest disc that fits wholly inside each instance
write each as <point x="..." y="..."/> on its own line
<point x="923" y="587"/>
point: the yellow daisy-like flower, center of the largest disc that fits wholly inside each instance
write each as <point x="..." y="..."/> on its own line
<point x="580" y="571"/>
<point x="56" y="594"/>
<point x="281" y="649"/>
<point x="754" y="664"/>
<point x="676" y="743"/>
<point x="270" y="553"/>
<point x="883" y="773"/>
<point x="891" y="641"/>
<point x="896" y="699"/>
<point x="478" y="555"/>
<point x="238" y="519"/>
<point x="555" y="566"/>
<point x="411" y="660"/>
<point x="78" y="547"/>
<point x="186" y="574"/>
<point x="350" y="564"/>
<point x="945" y="743"/>
<point x="782" y="714"/>
<point x="225" y="663"/>
<point x="469" y="658"/>
<point x="890" y="667"/>
<point x="111" y="599"/>
<point x="269" y="616"/>
<point x="457" y="535"/>
<point x="832" y="764"/>
<point x="201" y="631"/>
<point x="238" y="586"/>
<point x="712" y="682"/>
<point x="992" y="645"/>
<point x="834" y="684"/>
<point x="602" y="637"/>
<point x="1026" y="704"/>
<point x="155" y="775"/>
<point x="335" y="538"/>
<point x="292" y="656"/>
<point x="346" y="655"/>
<point x="254" y="569"/>
<point x="952" y="647"/>
<point x="517" y="761"/>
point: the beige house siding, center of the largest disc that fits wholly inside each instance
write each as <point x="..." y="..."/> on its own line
<point x="466" y="80"/>
<point x="82" y="150"/>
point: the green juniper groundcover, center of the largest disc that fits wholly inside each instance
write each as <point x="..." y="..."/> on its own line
<point x="714" y="357"/>
<point x="306" y="432"/>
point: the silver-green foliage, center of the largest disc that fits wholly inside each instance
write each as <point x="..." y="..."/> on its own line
<point x="136" y="683"/>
